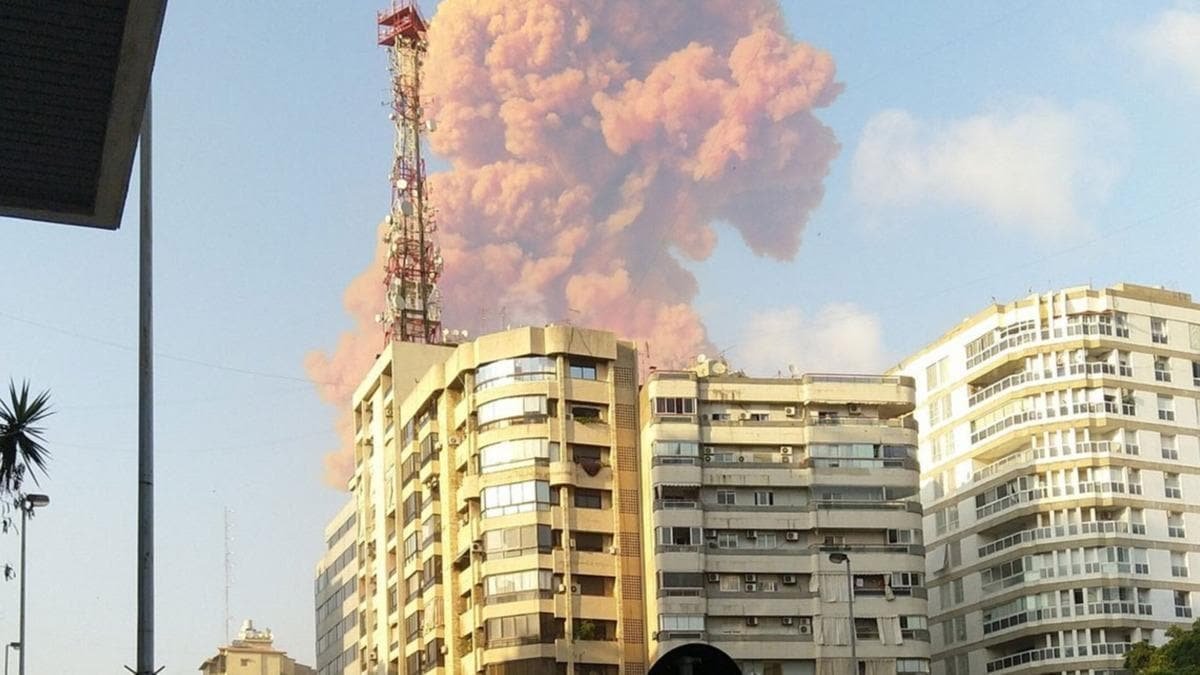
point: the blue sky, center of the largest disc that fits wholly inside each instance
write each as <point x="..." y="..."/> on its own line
<point x="987" y="150"/>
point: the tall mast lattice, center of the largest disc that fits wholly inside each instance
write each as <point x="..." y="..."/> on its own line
<point x="412" y="312"/>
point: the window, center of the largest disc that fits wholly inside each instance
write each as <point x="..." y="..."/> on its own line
<point x="726" y="497"/>
<point x="1158" y="330"/>
<point x="521" y="629"/>
<point x="675" y="406"/>
<point x="679" y="536"/>
<point x="517" y="452"/>
<point x="911" y="623"/>
<point x="588" y="499"/>
<point x="1169" y="451"/>
<point x="514" y="541"/>
<point x="512" y="407"/>
<point x="498" y="586"/>
<point x="1175" y="525"/>
<point x="582" y="371"/>
<point x="1171" y="486"/>
<point x="764" y="498"/>
<point x="956" y="591"/>
<point x="904" y="536"/>
<point x="1196" y="373"/>
<point x="866" y="628"/>
<point x="942" y="446"/>
<point x="905" y="579"/>
<point x="681" y="623"/>
<point x="727" y="540"/>
<point x="1179" y="566"/>
<point x="939" y="410"/>
<point x="508" y="371"/>
<point x="502" y="500"/>
<point x="907" y="666"/>
<point x="1124" y="365"/>
<point x="1162" y="369"/>
<point x="731" y="583"/>
<point x="936" y="374"/>
<point x="588" y="541"/>
<point x="768" y="586"/>
<point x="767" y="540"/>
<point x="676" y="449"/>
<point x="587" y="413"/>
<point x="1183" y="604"/>
<point x="1166" y="408"/>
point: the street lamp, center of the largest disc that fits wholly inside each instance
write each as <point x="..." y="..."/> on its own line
<point x="28" y="504"/>
<point x="838" y="559"/>
<point x="11" y="645"/>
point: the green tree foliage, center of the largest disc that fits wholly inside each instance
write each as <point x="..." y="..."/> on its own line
<point x="23" y="451"/>
<point x="1179" y="656"/>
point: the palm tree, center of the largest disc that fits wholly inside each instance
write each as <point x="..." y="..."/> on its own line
<point x="22" y="445"/>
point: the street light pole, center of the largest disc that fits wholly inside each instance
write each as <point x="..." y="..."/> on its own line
<point x="29" y="503"/>
<point x="838" y="558"/>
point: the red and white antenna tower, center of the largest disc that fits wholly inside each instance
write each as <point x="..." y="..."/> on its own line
<point x="413" y="309"/>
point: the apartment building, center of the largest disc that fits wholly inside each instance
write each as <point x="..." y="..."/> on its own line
<point x="751" y="485"/>
<point x="1060" y="475"/>
<point x="335" y="593"/>
<point x="497" y="504"/>
<point x="253" y="652"/>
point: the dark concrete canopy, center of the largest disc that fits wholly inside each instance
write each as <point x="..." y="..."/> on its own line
<point x="695" y="659"/>
<point x="74" y="75"/>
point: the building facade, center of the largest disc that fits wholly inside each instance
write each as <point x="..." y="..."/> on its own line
<point x="751" y="485"/>
<point x="336" y="594"/>
<point x="1060" y="471"/>
<point x="497" y="500"/>
<point x="253" y="653"/>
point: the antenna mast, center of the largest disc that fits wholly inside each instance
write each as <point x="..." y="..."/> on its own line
<point x="228" y="571"/>
<point x="412" y="312"/>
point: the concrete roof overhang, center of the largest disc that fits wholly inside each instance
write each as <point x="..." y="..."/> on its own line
<point x="74" y="77"/>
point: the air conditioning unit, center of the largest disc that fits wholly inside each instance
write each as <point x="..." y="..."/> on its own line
<point x="792" y="535"/>
<point x="751" y="588"/>
<point x="752" y="534"/>
<point x="785" y="449"/>
<point x="788" y="621"/>
<point x="453" y="441"/>
<point x="790" y="411"/>
<point x="789" y="580"/>
<point x="571" y="544"/>
<point x="710" y="534"/>
<point x="445" y="649"/>
<point x="712" y="544"/>
<point x="859" y="582"/>
<point x="714" y="578"/>
<point x="575" y="589"/>
<point x="805" y="628"/>
<point x="854" y="409"/>
<point x="752" y="621"/>
<point x="562" y="588"/>
<point x="750" y="577"/>
<point x="744" y="416"/>
<point x="477" y="547"/>
<point x="612" y="550"/>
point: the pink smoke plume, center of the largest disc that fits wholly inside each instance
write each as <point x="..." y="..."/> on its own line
<point x="589" y="143"/>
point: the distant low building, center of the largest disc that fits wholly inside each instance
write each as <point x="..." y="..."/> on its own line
<point x="253" y="653"/>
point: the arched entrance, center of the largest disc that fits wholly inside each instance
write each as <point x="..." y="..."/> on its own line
<point x="695" y="659"/>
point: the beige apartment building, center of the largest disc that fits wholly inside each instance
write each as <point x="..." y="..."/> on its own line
<point x="498" y="507"/>
<point x="335" y="591"/>
<point x="253" y="653"/>
<point x="751" y="485"/>
<point x="1061" y="471"/>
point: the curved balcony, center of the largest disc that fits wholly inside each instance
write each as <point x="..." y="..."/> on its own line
<point x="1104" y="608"/>
<point x="1049" y="655"/>
<point x="1046" y="493"/>
<point x="1031" y="456"/>
<point x="1037" y="534"/>
<point x="1074" y="370"/>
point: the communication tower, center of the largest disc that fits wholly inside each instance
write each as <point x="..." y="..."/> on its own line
<point x="412" y="312"/>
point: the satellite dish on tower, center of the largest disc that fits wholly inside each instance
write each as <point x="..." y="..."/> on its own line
<point x="401" y="184"/>
<point x="701" y="358"/>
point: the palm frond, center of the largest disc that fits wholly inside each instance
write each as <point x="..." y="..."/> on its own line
<point x="22" y="441"/>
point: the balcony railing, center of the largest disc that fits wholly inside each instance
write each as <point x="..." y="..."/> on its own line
<point x="1045" y="613"/>
<point x="1052" y="491"/>
<point x="1056" y="653"/>
<point x="1057" y="532"/>
<point x="1077" y="569"/>
<point x="1031" y="455"/>
<point x="1001" y="346"/>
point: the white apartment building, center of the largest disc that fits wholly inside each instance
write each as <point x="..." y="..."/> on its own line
<point x="1060" y="472"/>
<point x="335" y="591"/>
<point x="751" y="485"/>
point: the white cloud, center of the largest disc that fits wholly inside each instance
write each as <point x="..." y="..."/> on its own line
<point x="840" y="338"/>
<point x="1171" y="40"/>
<point x="1036" y="168"/>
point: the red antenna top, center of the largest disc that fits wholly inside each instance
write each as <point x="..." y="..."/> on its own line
<point x="402" y="19"/>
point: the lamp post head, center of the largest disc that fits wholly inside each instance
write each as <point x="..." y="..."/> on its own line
<point x="14" y="645"/>
<point x="36" y="501"/>
<point x="838" y="558"/>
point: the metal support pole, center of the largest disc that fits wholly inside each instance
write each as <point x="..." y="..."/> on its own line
<point x="21" y="657"/>
<point x="853" y="629"/>
<point x="145" y="544"/>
